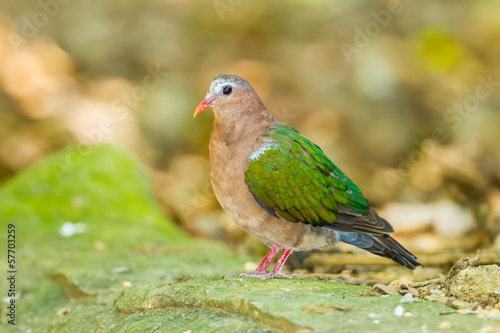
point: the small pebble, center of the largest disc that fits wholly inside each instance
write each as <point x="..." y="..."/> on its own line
<point x="69" y="229"/>
<point x="399" y="311"/>
<point x="407" y="298"/>
<point x="445" y="324"/>
<point x="250" y="266"/>
<point x="408" y="314"/>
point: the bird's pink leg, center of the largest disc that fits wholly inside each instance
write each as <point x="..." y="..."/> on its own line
<point x="261" y="271"/>
<point x="281" y="261"/>
<point x="268" y="258"/>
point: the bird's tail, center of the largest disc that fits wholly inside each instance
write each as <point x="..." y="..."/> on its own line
<point x="382" y="245"/>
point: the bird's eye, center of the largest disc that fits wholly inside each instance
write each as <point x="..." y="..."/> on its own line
<point x="227" y="90"/>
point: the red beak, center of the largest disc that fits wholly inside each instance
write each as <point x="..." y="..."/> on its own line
<point x="208" y="101"/>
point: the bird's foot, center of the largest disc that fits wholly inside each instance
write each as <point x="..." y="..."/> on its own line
<point x="265" y="275"/>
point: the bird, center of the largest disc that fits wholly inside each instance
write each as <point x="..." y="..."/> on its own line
<point x="280" y="187"/>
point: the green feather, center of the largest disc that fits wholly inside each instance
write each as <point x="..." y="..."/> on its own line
<point x="286" y="215"/>
<point x="299" y="182"/>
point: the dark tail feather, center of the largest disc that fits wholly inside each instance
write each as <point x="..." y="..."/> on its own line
<point x="382" y="245"/>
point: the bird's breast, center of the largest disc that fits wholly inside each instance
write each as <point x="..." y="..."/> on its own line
<point x="227" y="174"/>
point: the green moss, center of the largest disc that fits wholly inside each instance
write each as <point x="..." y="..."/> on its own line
<point x="126" y="237"/>
<point x="283" y="305"/>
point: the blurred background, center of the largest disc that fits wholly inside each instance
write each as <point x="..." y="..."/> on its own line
<point x="403" y="96"/>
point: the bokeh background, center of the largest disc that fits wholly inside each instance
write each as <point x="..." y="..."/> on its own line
<point x="404" y="96"/>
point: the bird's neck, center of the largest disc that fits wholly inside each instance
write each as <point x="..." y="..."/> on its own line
<point x="242" y="130"/>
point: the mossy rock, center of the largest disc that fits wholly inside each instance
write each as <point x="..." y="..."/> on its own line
<point x="479" y="284"/>
<point x="132" y="270"/>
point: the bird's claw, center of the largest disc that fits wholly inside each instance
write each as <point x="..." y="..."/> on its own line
<point x="265" y="275"/>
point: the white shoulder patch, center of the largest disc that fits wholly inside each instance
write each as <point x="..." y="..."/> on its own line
<point x="259" y="151"/>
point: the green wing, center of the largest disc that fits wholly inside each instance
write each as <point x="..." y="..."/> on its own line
<point x="292" y="178"/>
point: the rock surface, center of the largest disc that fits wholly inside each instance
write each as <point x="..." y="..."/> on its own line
<point x="477" y="285"/>
<point x="118" y="265"/>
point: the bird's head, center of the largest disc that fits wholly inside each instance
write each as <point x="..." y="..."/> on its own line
<point x="228" y="95"/>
